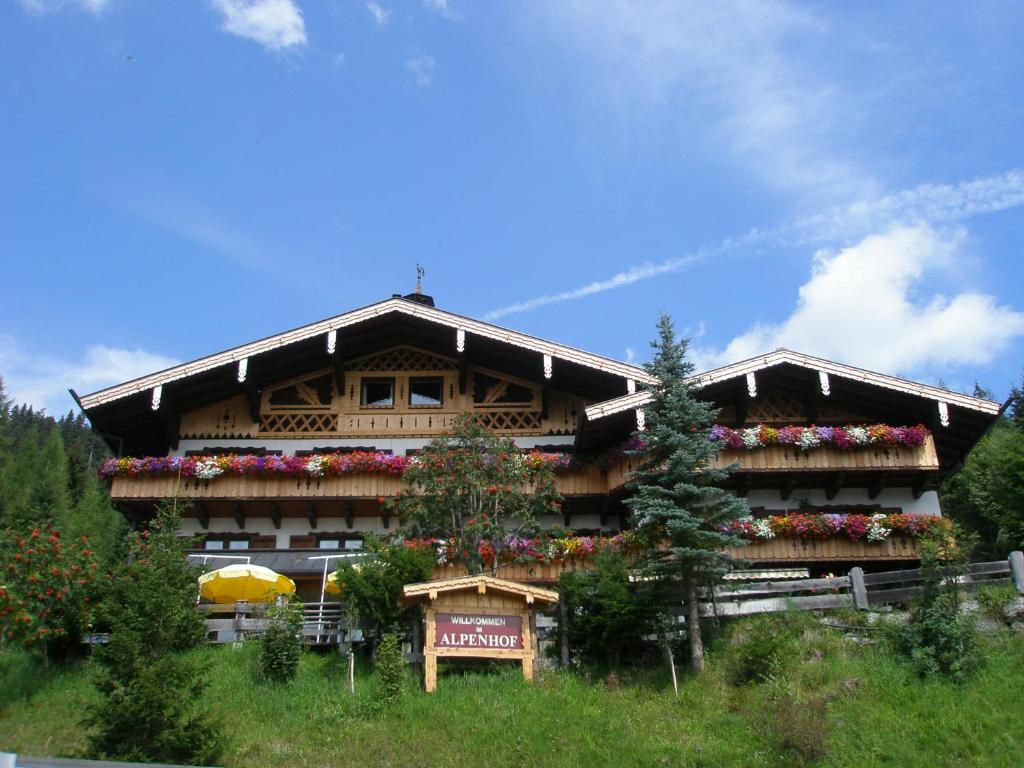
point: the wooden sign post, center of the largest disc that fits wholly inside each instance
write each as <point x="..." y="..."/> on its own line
<point x="478" y="617"/>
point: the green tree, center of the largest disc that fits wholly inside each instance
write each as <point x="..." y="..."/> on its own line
<point x="94" y="516"/>
<point x="678" y="497"/>
<point x="987" y="495"/>
<point x="151" y="692"/>
<point x="477" y="489"/>
<point x="373" y="585"/>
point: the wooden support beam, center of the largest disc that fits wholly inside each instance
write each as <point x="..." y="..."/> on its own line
<point x="834" y="486"/>
<point x="920" y="486"/>
<point x="567" y="512"/>
<point x="787" y="487"/>
<point x="875" y="486"/>
<point x="545" y="397"/>
<point x="741" y="412"/>
<point x="385" y="517"/>
<point x="604" y="511"/>
<point x="811" y="403"/>
<point x="346" y="509"/>
<point x="275" y="515"/>
<point x="252" y="399"/>
<point x="239" y="512"/>
<point x="463" y="374"/>
<point x="339" y="376"/>
<point x="202" y="515"/>
<point x="311" y="514"/>
<point x="170" y="421"/>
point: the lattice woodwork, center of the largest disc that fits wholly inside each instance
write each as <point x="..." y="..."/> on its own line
<point x="299" y="422"/>
<point x="509" y="420"/>
<point x="775" y="408"/>
<point x="403" y="359"/>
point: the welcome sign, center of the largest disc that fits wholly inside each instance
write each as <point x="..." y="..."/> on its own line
<point x="466" y="630"/>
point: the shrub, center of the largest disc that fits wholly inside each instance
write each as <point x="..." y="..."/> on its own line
<point x="757" y="649"/>
<point x="48" y="588"/>
<point x="993" y="601"/>
<point x="372" y="587"/>
<point x="280" y="644"/>
<point x="151" y="706"/>
<point x="390" y="669"/>
<point x="609" y="617"/>
<point x="940" y="638"/>
<point x="19" y="675"/>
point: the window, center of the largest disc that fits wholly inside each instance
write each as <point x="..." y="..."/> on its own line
<point x="378" y="393"/>
<point x="353" y="543"/>
<point x="426" y="392"/>
<point x="330" y="544"/>
<point x="223" y="542"/>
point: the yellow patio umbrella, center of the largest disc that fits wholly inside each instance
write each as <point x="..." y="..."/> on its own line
<point x="243" y="581"/>
<point x="332" y="587"/>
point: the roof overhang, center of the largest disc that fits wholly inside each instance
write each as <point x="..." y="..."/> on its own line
<point x="828" y="367"/>
<point x="395" y="306"/>
<point x="429" y="590"/>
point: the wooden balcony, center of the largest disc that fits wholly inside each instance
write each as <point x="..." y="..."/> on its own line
<point x="585" y="481"/>
<point x="783" y="550"/>
<point x="779" y="550"/>
<point x="783" y="458"/>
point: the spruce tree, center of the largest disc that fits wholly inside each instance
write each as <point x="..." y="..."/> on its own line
<point x="679" y="500"/>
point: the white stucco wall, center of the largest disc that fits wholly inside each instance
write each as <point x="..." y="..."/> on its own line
<point x="299" y="526"/>
<point x="903" y="498"/>
<point x="397" y="445"/>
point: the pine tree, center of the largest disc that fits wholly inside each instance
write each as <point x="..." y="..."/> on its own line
<point x="679" y="500"/>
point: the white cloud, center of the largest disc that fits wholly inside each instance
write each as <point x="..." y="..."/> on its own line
<point x="630" y="355"/>
<point x="47" y="6"/>
<point x="938" y="204"/>
<point x="379" y="13"/>
<point x="198" y="225"/>
<point x="43" y="381"/>
<point x="422" y="69"/>
<point x="274" y="24"/>
<point x="440" y="7"/>
<point x="861" y="306"/>
<point x="745" y="78"/>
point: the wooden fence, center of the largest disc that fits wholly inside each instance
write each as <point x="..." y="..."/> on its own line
<point x="855" y="590"/>
<point x="322" y="623"/>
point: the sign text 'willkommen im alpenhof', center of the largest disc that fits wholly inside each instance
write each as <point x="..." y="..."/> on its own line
<point x="463" y="630"/>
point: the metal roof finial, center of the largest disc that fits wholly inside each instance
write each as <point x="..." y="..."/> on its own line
<point x="420" y="272"/>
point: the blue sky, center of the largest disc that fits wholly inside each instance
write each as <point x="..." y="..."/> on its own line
<point x="843" y="179"/>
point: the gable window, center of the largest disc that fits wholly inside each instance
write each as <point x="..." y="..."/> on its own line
<point x="378" y="393"/>
<point x="426" y="391"/>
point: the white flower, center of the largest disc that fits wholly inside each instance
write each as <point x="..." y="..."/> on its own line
<point x="809" y="439"/>
<point x="859" y="435"/>
<point x="877" y="530"/>
<point x="762" y="530"/>
<point x="207" y="469"/>
<point x="315" y="466"/>
<point x="751" y="437"/>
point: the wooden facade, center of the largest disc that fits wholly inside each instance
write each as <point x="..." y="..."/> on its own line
<point x="391" y="376"/>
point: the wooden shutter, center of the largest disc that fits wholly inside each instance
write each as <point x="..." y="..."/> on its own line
<point x="263" y="542"/>
<point x="302" y="542"/>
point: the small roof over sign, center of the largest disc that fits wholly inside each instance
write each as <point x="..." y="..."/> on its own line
<point x="429" y="590"/>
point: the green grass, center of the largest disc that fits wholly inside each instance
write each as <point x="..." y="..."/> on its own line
<point x="831" y="704"/>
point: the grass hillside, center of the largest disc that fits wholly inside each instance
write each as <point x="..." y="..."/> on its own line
<point x="823" y="701"/>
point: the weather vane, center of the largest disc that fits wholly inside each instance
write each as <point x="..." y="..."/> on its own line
<point x="420" y="272"/>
